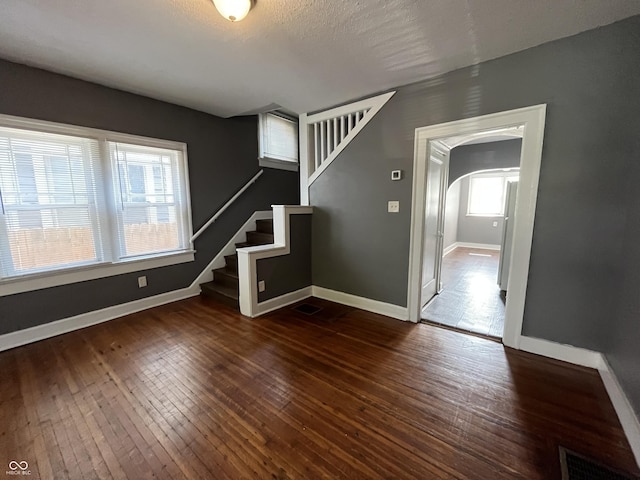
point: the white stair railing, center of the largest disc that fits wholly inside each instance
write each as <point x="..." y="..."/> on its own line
<point x="325" y="134"/>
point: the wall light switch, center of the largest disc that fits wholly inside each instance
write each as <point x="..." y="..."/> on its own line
<point x="396" y="174"/>
<point x="142" y="282"/>
<point x="495" y="224"/>
<point x="261" y="286"/>
<point x="393" y="206"/>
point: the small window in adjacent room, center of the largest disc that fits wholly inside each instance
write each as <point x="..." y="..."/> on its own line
<point x="278" y="139"/>
<point x="487" y="194"/>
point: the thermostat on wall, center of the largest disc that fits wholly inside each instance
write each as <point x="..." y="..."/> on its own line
<point x="396" y="174"/>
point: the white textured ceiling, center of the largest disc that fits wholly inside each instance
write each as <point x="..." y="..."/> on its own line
<point x="303" y="55"/>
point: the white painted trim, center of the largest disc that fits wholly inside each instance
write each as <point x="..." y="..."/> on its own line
<point x="303" y="139"/>
<point x="533" y="119"/>
<point x="52" y="329"/>
<point x="375" y="306"/>
<point x="624" y="410"/>
<point x="371" y="102"/>
<point x="483" y="246"/>
<point x="230" y="248"/>
<point x="374" y="104"/>
<point x="248" y="257"/>
<point x="282" y="301"/>
<point x="559" y="351"/>
<point x="226" y="205"/>
<point x="88" y="132"/>
<point x="50" y="279"/>
<point x="449" y="249"/>
<point x="588" y="358"/>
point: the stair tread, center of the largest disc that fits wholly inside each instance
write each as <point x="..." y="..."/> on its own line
<point x="225" y="290"/>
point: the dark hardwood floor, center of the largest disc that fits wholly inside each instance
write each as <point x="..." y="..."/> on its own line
<point x="194" y="390"/>
<point x="470" y="298"/>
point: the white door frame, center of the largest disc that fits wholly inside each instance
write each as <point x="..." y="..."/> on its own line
<point x="533" y="119"/>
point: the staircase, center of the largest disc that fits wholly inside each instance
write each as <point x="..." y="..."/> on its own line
<point x="224" y="287"/>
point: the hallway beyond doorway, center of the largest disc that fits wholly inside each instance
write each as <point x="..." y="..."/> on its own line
<point x="470" y="299"/>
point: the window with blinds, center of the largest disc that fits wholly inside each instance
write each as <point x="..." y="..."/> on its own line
<point x="278" y="140"/>
<point x="70" y="201"/>
<point x="151" y="213"/>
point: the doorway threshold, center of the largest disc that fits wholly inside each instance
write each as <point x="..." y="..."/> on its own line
<point x="460" y="330"/>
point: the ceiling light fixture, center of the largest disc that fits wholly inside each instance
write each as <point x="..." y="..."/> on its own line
<point x="233" y="10"/>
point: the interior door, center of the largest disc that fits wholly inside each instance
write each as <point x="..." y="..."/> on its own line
<point x="507" y="235"/>
<point x="437" y="169"/>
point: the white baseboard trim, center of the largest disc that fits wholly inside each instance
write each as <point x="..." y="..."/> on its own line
<point x="58" y="327"/>
<point x="375" y="306"/>
<point x="449" y="249"/>
<point x="588" y="358"/>
<point x="559" y="351"/>
<point x="624" y="410"/>
<point x="230" y="248"/>
<point x="282" y="301"/>
<point x="484" y="246"/>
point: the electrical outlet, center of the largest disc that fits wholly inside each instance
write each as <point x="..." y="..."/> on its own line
<point x="142" y="282"/>
<point x="393" y="206"/>
<point x="261" y="286"/>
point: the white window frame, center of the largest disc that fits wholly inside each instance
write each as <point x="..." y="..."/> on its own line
<point x="506" y="176"/>
<point x="114" y="266"/>
<point x="264" y="160"/>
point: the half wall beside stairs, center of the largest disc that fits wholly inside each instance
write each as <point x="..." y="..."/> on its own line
<point x="284" y="266"/>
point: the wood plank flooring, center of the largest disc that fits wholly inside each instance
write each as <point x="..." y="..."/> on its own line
<point x="470" y="298"/>
<point x="195" y="390"/>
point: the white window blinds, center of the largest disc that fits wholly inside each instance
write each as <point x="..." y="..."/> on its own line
<point x="151" y="197"/>
<point x="278" y="138"/>
<point x="70" y="200"/>
<point x="49" y="202"/>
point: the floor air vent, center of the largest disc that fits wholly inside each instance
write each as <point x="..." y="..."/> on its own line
<point x="307" y="309"/>
<point x="577" y="467"/>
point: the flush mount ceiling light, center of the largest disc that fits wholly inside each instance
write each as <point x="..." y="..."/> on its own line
<point x="233" y="10"/>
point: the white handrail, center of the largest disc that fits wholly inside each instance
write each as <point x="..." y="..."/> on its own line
<point x="226" y="205"/>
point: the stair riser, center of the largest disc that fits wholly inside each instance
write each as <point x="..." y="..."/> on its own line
<point x="225" y="279"/>
<point x="264" y="226"/>
<point x="231" y="262"/>
<point x="259" y="238"/>
<point x="232" y="302"/>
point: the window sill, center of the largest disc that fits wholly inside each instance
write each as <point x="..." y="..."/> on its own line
<point x="38" y="281"/>
<point x="279" y="164"/>
<point x="478" y="215"/>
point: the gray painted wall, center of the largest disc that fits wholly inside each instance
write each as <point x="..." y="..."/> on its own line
<point x="483" y="156"/>
<point x="590" y="83"/>
<point x="288" y="273"/>
<point x="451" y="212"/>
<point x="622" y="351"/>
<point x="222" y="158"/>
